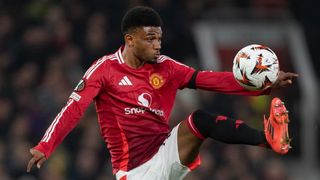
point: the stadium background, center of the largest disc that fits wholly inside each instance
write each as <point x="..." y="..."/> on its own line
<point x="46" y="45"/>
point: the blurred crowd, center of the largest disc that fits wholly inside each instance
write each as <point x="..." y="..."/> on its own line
<point x="46" y="46"/>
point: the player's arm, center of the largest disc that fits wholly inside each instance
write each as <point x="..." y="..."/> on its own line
<point x="69" y="116"/>
<point x="224" y="82"/>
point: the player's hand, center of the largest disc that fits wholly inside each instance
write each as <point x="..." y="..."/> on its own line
<point x="37" y="158"/>
<point x="284" y="79"/>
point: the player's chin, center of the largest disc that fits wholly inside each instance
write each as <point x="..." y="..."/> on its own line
<point x="152" y="60"/>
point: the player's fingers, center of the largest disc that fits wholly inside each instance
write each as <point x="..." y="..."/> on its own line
<point x="290" y="75"/>
<point x="31" y="163"/>
<point x="289" y="81"/>
<point x="40" y="162"/>
<point x="293" y="74"/>
<point x="35" y="158"/>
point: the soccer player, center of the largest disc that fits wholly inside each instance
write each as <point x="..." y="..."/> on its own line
<point x="134" y="90"/>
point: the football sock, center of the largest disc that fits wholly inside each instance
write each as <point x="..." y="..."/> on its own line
<point x="224" y="129"/>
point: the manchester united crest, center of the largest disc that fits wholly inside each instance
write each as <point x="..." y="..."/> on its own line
<point x="156" y="80"/>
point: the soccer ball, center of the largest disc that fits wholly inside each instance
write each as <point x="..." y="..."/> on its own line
<point x="255" y="67"/>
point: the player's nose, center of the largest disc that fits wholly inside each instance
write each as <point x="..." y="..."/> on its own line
<point x="157" y="45"/>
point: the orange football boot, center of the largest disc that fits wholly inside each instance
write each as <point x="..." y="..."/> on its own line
<point x="276" y="127"/>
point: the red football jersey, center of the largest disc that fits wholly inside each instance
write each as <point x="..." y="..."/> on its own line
<point x="133" y="105"/>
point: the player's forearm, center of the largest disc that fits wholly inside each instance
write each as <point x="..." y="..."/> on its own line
<point x="64" y="122"/>
<point x="223" y="82"/>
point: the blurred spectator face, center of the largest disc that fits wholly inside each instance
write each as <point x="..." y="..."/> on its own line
<point x="55" y="85"/>
<point x="274" y="170"/>
<point x="223" y="173"/>
<point x="5" y="109"/>
<point x="256" y="154"/>
<point x="233" y="155"/>
<point x="61" y="28"/>
<point x="87" y="162"/>
<point x="71" y="55"/>
<point x="76" y="10"/>
<point x="20" y="128"/>
<point x="91" y="132"/>
<point x="26" y="76"/>
<point x="35" y="36"/>
<point x="6" y="26"/>
<point x="4" y="61"/>
<point x="4" y="174"/>
<point x="96" y="33"/>
<point x="55" y="14"/>
<point x="61" y="33"/>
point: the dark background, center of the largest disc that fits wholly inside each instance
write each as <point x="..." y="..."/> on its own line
<point x="46" y="46"/>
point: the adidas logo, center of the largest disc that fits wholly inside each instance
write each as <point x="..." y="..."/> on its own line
<point x="125" y="81"/>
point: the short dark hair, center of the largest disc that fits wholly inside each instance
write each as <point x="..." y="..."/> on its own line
<point x="140" y="16"/>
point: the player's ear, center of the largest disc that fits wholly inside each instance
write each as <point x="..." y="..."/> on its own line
<point x="129" y="39"/>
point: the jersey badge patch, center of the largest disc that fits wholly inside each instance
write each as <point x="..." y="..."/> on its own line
<point x="81" y="85"/>
<point x="156" y="80"/>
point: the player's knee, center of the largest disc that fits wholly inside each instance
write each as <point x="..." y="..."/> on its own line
<point x="201" y="115"/>
<point x="203" y="122"/>
<point x="209" y="124"/>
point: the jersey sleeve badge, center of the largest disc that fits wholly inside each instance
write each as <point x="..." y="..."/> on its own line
<point x="81" y="85"/>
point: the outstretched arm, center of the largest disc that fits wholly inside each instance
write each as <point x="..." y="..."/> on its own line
<point x="224" y="82"/>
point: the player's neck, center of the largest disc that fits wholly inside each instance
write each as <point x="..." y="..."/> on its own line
<point x="130" y="59"/>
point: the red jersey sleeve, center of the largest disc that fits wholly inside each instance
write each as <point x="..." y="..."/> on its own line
<point x="69" y="116"/>
<point x="180" y="72"/>
<point x="223" y="82"/>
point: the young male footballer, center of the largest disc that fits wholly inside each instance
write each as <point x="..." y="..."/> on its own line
<point x="134" y="90"/>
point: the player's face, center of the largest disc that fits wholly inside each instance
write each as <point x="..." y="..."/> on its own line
<point x="147" y="43"/>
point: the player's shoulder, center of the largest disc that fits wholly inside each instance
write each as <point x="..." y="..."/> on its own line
<point x="163" y="59"/>
<point x="100" y="66"/>
<point x="110" y="58"/>
<point x="107" y="60"/>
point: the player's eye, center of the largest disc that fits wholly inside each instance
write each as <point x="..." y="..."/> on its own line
<point x="150" y="39"/>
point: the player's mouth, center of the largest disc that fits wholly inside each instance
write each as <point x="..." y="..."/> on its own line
<point x="157" y="55"/>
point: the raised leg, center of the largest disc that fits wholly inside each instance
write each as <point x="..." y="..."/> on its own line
<point x="201" y="125"/>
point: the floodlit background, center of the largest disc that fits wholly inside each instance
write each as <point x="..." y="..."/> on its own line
<point x="46" y="46"/>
